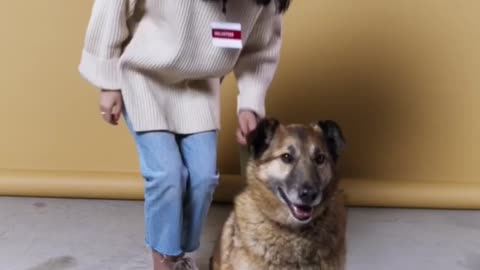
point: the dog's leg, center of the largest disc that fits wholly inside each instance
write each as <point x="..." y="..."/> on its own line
<point x="223" y="246"/>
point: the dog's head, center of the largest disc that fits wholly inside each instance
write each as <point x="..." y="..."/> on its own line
<point x="293" y="167"/>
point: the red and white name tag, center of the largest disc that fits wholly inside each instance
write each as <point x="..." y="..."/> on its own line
<point x="227" y="35"/>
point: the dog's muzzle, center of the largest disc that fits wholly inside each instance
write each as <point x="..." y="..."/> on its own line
<point x="302" y="212"/>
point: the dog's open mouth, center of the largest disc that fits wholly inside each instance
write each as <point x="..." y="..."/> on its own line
<point x="300" y="212"/>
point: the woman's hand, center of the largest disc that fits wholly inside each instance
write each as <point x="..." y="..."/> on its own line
<point x="111" y="105"/>
<point x="247" y="121"/>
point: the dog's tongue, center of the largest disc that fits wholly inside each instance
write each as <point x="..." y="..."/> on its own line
<point x="302" y="212"/>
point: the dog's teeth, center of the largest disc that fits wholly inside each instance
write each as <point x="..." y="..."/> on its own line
<point x="302" y="213"/>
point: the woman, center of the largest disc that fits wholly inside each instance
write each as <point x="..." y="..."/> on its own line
<point x="160" y="64"/>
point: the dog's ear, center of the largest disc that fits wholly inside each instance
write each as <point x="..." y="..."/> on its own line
<point x="259" y="139"/>
<point x="333" y="136"/>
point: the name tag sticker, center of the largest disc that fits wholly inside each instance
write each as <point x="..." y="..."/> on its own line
<point x="227" y="35"/>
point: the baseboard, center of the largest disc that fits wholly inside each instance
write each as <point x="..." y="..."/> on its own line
<point x="129" y="186"/>
<point x="91" y="185"/>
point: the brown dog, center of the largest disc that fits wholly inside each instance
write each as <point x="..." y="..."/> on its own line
<point x="291" y="214"/>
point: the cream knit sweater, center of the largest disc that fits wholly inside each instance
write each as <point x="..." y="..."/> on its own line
<point x="159" y="53"/>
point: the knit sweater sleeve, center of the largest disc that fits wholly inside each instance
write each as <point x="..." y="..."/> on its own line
<point x="106" y="33"/>
<point x="258" y="62"/>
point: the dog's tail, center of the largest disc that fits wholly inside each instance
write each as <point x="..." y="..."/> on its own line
<point x="57" y="263"/>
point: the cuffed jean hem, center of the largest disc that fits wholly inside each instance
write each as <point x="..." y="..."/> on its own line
<point x="159" y="250"/>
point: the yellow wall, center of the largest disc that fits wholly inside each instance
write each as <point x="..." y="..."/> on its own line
<point x="399" y="76"/>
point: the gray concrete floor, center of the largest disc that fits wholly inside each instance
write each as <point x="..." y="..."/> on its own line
<point x="56" y="234"/>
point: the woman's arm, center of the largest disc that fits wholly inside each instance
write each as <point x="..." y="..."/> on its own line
<point x="105" y="36"/>
<point x="258" y="62"/>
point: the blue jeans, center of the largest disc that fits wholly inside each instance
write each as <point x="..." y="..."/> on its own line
<point x="180" y="176"/>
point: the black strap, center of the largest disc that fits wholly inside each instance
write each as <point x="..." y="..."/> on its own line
<point x="224" y="6"/>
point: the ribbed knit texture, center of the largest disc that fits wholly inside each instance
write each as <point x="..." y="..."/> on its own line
<point x="160" y="55"/>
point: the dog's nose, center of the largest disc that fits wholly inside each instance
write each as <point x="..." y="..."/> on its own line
<point x="308" y="194"/>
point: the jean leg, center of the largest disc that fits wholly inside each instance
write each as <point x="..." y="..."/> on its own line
<point x="199" y="152"/>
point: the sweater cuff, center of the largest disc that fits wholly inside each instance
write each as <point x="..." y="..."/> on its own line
<point x="102" y="73"/>
<point x="252" y="100"/>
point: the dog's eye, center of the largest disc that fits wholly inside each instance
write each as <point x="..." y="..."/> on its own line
<point x="287" y="158"/>
<point x="320" y="159"/>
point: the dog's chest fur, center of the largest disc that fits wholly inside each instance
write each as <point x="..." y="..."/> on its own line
<point x="266" y="245"/>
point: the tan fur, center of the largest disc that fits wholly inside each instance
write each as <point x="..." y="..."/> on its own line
<point x="251" y="239"/>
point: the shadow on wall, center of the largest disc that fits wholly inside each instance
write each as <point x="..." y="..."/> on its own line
<point x="363" y="78"/>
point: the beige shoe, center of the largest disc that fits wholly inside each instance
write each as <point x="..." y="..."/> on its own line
<point x="161" y="262"/>
<point x="185" y="263"/>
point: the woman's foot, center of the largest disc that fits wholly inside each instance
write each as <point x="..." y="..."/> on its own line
<point x="185" y="263"/>
<point x="162" y="262"/>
